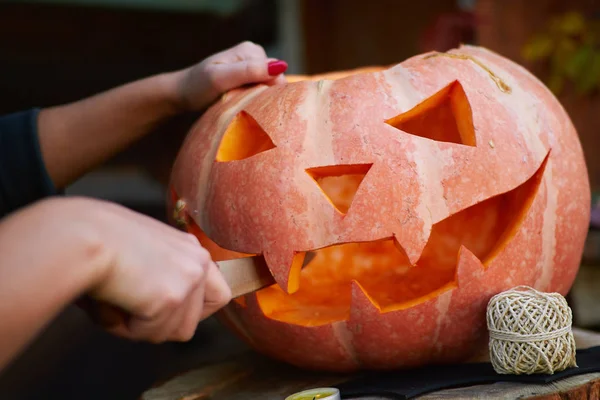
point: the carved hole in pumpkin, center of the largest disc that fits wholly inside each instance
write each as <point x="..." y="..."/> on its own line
<point x="339" y="183"/>
<point x="243" y="138"/>
<point x="445" y="117"/>
<point x="382" y="268"/>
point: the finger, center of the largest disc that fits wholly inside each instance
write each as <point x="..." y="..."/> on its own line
<point x="120" y="330"/>
<point x="186" y="327"/>
<point x="173" y="236"/>
<point x="249" y="51"/>
<point x="182" y="325"/>
<point x="194" y="277"/>
<point x="230" y="76"/>
<point x="138" y="329"/>
<point x="242" y="51"/>
<point x="280" y="79"/>
<point x="103" y="314"/>
<point x="112" y="319"/>
<point x="216" y="292"/>
<point x="155" y="330"/>
<point x="178" y="323"/>
<point x="153" y="322"/>
<point x="172" y="328"/>
<point x="140" y="219"/>
<point x="167" y="324"/>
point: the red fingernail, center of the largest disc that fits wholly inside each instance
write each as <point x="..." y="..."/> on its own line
<point x="277" y="67"/>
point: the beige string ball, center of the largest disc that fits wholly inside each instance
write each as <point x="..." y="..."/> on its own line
<point x="530" y="332"/>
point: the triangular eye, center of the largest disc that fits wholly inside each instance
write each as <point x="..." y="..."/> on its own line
<point x="339" y="183"/>
<point x="445" y="117"/>
<point x="243" y="138"/>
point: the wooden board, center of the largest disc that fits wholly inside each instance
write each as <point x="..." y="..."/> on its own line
<point x="251" y="376"/>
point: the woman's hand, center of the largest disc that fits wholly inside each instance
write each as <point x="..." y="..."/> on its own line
<point x="76" y="137"/>
<point x="161" y="276"/>
<point x="246" y="63"/>
<point x="57" y="250"/>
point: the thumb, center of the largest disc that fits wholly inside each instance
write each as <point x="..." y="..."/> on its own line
<point x="232" y="75"/>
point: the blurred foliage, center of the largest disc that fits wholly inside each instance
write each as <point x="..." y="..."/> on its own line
<point x="570" y="46"/>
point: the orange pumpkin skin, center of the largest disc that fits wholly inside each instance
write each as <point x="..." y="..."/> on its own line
<point x="471" y="180"/>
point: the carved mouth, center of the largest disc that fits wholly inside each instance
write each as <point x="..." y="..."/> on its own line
<point x="383" y="271"/>
<point x="382" y="268"/>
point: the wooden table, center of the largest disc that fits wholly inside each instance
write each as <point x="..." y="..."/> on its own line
<point x="250" y="376"/>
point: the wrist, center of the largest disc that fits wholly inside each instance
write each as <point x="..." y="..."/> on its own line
<point x="171" y="87"/>
<point x="48" y="258"/>
<point x="90" y="249"/>
<point x="68" y="244"/>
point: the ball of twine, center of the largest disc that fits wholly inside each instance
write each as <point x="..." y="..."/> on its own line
<point x="530" y="332"/>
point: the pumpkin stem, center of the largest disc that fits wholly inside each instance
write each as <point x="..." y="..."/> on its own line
<point x="180" y="214"/>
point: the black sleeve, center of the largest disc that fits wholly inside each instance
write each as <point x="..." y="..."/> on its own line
<point x="23" y="175"/>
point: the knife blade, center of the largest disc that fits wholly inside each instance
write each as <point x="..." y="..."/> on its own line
<point x="249" y="274"/>
<point x="246" y="275"/>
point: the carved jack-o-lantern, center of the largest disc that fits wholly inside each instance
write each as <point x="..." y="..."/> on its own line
<point x="419" y="191"/>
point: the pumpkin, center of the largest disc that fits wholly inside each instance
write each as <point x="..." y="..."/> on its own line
<point x="390" y="204"/>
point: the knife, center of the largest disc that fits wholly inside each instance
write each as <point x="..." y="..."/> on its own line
<point x="249" y="274"/>
<point x="246" y="275"/>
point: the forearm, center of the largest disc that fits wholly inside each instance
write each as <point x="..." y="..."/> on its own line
<point x="41" y="270"/>
<point x="76" y="137"/>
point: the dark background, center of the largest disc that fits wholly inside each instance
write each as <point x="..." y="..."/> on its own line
<point x="57" y="52"/>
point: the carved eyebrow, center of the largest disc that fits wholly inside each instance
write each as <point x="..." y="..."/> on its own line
<point x="444" y="117"/>
<point x="243" y="139"/>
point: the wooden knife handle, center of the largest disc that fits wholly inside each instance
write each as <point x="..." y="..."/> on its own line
<point x="246" y="275"/>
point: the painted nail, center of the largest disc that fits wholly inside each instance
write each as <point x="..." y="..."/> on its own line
<point x="277" y="67"/>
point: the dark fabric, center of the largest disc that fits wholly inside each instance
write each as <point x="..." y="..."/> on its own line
<point x="412" y="383"/>
<point x="23" y="175"/>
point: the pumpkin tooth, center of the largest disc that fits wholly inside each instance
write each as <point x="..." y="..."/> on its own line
<point x="523" y="196"/>
<point x="361" y="298"/>
<point x="469" y="268"/>
<point x="286" y="268"/>
<point x="412" y="245"/>
<point x="432" y="317"/>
